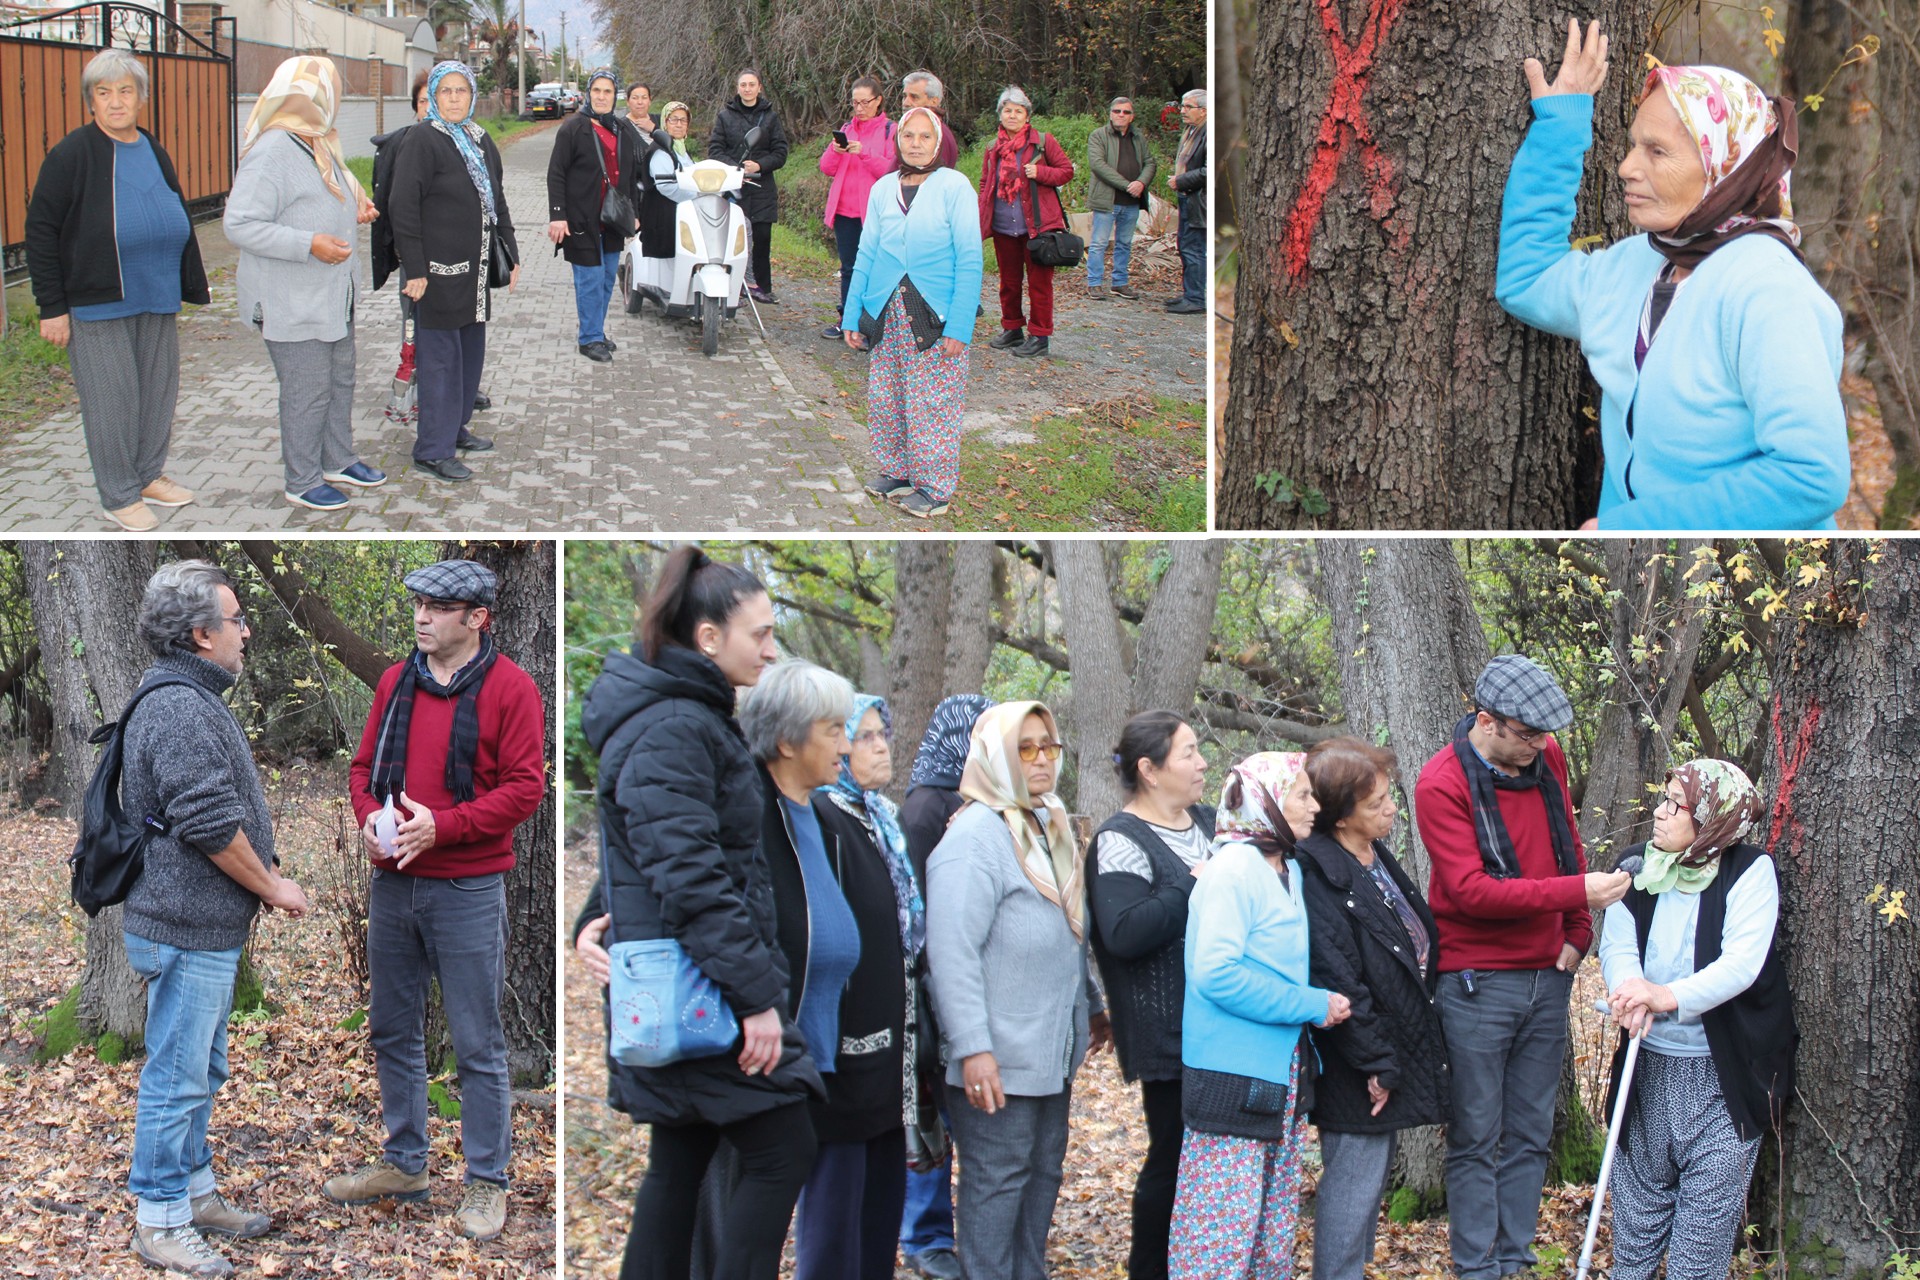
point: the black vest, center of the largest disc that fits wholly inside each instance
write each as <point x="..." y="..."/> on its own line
<point x="1752" y="1036"/>
<point x="1147" y="995"/>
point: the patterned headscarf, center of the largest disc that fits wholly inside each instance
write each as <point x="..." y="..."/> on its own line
<point x="1723" y="803"/>
<point x="303" y="98"/>
<point x="943" y="748"/>
<point x="939" y="132"/>
<point x="885" y="819"/>
<point x="1044" y="844"/>
<point x="466" y="135"/>
<point x="604" y="119"/>
<point x="1748" y="143"/>
<point x="1252" y="800"/>
<point x="679" y="146"/>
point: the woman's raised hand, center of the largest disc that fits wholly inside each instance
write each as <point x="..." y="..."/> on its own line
<point x="1583" y="67"/>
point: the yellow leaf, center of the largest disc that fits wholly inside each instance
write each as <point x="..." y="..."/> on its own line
<point x="1766" y="12"/>
<point x="1879" y="892"/>
<point x="1652" y="61"/>
<point x="1813" y="100"/>
<point x="1811" y="573"/>
<point x="1741" y="572"/>
<point x="1774" y="38"/>
<point x="1286" y="331"/>
<point x="1893" y="910"/>
<point x="1737" y="642"/>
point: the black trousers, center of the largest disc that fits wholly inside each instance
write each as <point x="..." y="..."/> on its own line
<point x="775" y="1152"/>
<point x="1153" y="1190"/>
<point x="763" y="255"/>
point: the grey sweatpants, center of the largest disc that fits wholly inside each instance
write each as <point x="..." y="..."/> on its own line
<point x="1010" y="1172"/>
<point x="316" y="409"/>
<point x="127" y="374"/>
<point x="1680" y="1180"/>
<point x="1346" y="1206"/>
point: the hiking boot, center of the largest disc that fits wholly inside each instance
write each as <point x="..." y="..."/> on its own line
<point x="1126" y="291"/>
<point x="134" y="517"/>
<point x="165" y="493"/>
<point x="378" y="1181"/>
<point x="919" y="505"/>
<point x="886" y="486"/>
<point x="1008" y="338"/>
<point x="1096" y="291"/>
<point x="178" y="1249"/>
<point x="482" y="1212"/>
<point x="212" y="1213"/>
<point x="1034" y="346"/>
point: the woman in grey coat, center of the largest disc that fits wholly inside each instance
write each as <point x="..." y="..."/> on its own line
<point x="292" y="215"/>
<point x="1018" y="1013"/>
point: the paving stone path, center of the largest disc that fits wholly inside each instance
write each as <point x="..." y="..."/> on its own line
<point x="662" y="438"/>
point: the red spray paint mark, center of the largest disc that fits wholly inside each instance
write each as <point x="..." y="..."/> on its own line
<point x="1783" y="815"/>
<point x="1343" y="124"/>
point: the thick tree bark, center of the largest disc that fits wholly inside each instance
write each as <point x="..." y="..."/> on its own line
<point x="524" y="628"/>
<point x="86" y="597"/>
<point x="922" y="595"/>
<point x="1102" y="686"/>
<point x="970" y="615"/>
<point x="1843" y="789"/>
<point x="1375" y="381"/>
<point x="1177" y="624"/>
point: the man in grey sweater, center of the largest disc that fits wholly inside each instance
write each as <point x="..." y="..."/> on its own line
<point x="186" y="767"/>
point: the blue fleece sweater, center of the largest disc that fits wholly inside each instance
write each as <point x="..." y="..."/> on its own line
<point x="1247" y="989"/>
<point x="937" y="242"/>
<point x="1737" y="420"/>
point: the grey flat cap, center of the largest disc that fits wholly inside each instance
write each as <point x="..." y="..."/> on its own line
<point x="461" y="580"/>
<point x="1517" y="688"/>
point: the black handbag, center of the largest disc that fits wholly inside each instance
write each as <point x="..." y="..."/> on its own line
<point x="501" y="260"/>
<point x="1051" y="248"/>
<point x="616" y="211"/>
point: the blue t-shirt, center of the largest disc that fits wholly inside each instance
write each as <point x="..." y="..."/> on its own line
<point x="833" y="948"/>
<point x="151" y="227"/>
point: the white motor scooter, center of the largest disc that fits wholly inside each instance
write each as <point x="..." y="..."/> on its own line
<point x="706" y="277"/>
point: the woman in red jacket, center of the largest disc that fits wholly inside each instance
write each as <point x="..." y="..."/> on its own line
<point x="1020" y="181"/>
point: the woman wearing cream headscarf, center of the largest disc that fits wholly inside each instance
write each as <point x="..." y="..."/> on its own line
<point x="293" y="214"/>
<point x="1717" y="353"/>
<point x="1241" y="1038"/>
<point x="1007" y="956"/>
<point x="1691" y="961"/>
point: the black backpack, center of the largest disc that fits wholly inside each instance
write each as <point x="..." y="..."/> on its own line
<point x="111" y="851"/>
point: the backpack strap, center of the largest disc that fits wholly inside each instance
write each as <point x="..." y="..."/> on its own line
<point x="115" y="732"/>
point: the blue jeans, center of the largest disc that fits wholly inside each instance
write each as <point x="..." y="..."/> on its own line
<point x="846" y="240"/>
<point x="1116" y="225"/>
<point x="1193" y="263"/>
<point x="189" y="995"/>
<point x="1505" y="1042"/>
<point x="592" y="291"/>
<point x="927" y="1220"/>
<point x="418" y="929"/>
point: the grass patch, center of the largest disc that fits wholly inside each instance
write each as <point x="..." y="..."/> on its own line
<point x="362" y="169"/>
<point x="33" y="372"/>
<point x="1124" y="464"/>
<point x="803" y="255"/>
<point x="60" y="1033"/>
<point x="500" y="128"/>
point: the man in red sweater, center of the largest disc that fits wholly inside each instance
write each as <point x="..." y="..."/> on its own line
<point x="1513" y="901"/>
<point x="451" y="762"/>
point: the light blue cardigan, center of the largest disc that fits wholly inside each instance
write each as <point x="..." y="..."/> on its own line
<point x="937" y="242"/>
<point x="1247" y="990"/>
<point x="1737" y="416"/>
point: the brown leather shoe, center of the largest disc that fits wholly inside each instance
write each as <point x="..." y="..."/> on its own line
<point x="211" y="1212"/>
<point x="165" y="493"/>
<point x="483" y="1211"/>
<point x="178" y="1249"/>
<point x="378" y="1181"/>
<point x="134" y="518"/>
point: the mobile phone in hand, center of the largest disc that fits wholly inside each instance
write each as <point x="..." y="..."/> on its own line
<point x="840" y="136"/>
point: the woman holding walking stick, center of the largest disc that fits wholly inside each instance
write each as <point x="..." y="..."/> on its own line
<point x="1691" y="963"/>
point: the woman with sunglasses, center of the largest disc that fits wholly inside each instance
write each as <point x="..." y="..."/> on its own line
<point x="1007" y="951"/>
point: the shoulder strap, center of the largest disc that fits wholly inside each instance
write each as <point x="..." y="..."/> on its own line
<point x="113" y="734"/>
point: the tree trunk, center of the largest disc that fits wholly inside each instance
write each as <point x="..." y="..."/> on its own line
<point x="1844" y="796"/>
<point x="1178" y="622"/>
<point x="85" y="598"/>
<point x="1409" y="646"/>
<point x="970" y="614"/>
<point x="1375" y="381"/>
<point x="1102" y="689"/>
<point x="524" y="628"/>
<point x="922" y="594"/>
<point x="316" y="617"/>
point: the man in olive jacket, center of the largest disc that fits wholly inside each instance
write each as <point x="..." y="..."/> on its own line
<point x="1123" y="166"/>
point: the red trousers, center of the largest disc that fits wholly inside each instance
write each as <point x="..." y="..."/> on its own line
<point x="1010" y="255"/>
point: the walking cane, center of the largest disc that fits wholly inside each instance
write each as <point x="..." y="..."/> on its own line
<point x="1631" y="865"/>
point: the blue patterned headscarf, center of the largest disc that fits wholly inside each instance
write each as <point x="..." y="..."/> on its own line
<point x="466" y="135"/>
<point x="885" y="818"/>
<point x="943" y="748"/>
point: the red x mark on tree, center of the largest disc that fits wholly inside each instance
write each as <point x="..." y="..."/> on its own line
<point x="1343" y="124"/>
<point x="1783" y="815"/>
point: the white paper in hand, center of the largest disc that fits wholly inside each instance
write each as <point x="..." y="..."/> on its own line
<point x="386" y="830"/>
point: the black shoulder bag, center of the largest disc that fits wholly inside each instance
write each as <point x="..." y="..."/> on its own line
<point x="616" y="211"/>
<point x="1051" y="248"/>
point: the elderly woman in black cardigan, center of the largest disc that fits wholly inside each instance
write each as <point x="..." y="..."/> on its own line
<point x="1372" y="937"/>
<point x="592" y="152"/>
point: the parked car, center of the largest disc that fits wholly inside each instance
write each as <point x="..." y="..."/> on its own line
<point x="546" y="100"/>
<point x="573" y="99"/>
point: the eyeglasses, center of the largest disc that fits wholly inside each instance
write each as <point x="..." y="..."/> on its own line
<point x="864" y="102"/>
<point x="1121" y="111"/>
<point x="441" y="606"/>
<point x="872" y="736"/>
<point x="1669" y="805"/>
<point x="1031" y="751"/>
<point x="239" y="620"/>
<point x="1532" y="737"/>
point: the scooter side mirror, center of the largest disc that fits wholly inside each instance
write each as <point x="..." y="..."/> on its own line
<point x="753" y="137"/>
<point x="662" y="139"/>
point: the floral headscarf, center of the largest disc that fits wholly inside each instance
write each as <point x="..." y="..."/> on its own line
<point x="943" y="748"/>
<point x="679" y="146"/>
<point x="1748" y="143"/>
<point x="466" y="135"/>
<point x="885" y="819"/>
<point x="1044" y="844"/>
<point x="302" y="98"/>
<point x="1723" y="803"/>
<point x="939" y="134"/>
<point x="1251" y="801"/>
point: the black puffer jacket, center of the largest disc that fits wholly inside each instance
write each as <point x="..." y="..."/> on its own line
<point x="681" y="811"/>
<point x="1360" y="950"/>
<point x="760" y="198"/>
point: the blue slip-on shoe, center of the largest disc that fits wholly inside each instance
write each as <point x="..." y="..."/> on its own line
<point x="322" y="497"/>
<point x="358" y="474"/>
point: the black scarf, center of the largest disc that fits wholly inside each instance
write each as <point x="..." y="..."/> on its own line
<point x="390" y="748"/>
<point x="1484" y="785"/>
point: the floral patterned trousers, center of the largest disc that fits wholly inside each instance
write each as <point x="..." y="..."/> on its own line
<point x="915" y="400"/>
<point x="1238" y="1205"/>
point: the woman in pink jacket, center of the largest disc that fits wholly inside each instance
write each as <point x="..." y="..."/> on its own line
<point x="868" y="155"/>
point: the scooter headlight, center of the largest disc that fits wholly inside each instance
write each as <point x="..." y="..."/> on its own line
<point x="709" y="181"/>
<point x="686" y="239"/>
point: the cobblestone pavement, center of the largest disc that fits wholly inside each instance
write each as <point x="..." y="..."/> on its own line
<point x="662" y="438"/>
